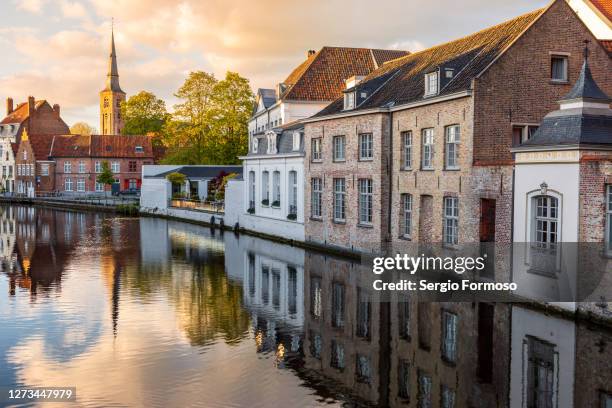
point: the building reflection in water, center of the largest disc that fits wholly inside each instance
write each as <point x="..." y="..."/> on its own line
<point x="316" y="316"/>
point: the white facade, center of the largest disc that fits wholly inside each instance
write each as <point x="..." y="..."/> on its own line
<point x="8" y="135"/>
<point x="282" y="112"/>
<point x="592" y="18"/>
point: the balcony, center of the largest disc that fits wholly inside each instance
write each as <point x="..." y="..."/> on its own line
<point x="217" y="207"/>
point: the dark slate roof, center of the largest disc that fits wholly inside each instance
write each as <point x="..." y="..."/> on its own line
<point x="202" y="172"/>
<point x="401" y="81"/>
<point x="586" y="88"/>
<point x="268" y="96"/>
<point x="580" y="126"/>
<point x="284" y="140"/>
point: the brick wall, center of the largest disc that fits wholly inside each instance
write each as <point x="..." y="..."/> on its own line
<point x="46" y="121"/>
<point x="595" y="174"/>
<point x="517" y="88"/>
<point x="349" y="234"/>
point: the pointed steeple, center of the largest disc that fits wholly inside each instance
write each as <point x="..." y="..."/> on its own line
<point x="112" y="78"/>
<point x="586" y="88"/>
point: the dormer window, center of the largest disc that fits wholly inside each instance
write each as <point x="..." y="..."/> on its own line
<point x="449" y="73"/>
<point x="255" y="144"/>
<point x="139" y="149"/>
<point x="296" y="141"/>
<point x="271" y="143"/>
<point x="349" y="100"/>
<point x="431" y="83"/>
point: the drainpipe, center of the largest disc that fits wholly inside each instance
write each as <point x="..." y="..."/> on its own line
<point x="390" y="166"/>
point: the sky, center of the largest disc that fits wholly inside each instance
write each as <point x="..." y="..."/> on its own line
<point x="58" y="49"/>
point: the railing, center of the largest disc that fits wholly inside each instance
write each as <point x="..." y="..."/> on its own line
<point x="100" y="199"/>
<point x="208" y="206"/>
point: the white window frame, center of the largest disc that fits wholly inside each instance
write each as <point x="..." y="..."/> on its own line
<point x="406" y="215"/>
<point x="276" y="189"/>
<point x="99" y="187"/>
<point x="450" y="230"/>
<point x="293" y="192"/>
<point x="366" y="146"/>
<point x="252" y="184"/>
<point x="67" y="167"/>
<point x="407" y="150"/>
<point x="365" y="201"/>
<point x="44" y="169"/>
<point x="546" y="222"/>
<point x="296" y="141"/>
<point x="339" y="199"/>
<point x="315" y="147"/>
<point x="339" y="148"/>
<point x="452" y="143"/>
<point x="432" y="83"/>
<point x="82" y="167"/>
<point x="316" y="210"/>
<point x="80" y="185"/>
<point x="98" y="167"/>
<point x="349" y="100"/>
<point x="116" y="167"/>
<point x="68" y="184"/>
<point x="265" y="187"/>
<point x="565" y="69"/>
<point x="427" y="149"/>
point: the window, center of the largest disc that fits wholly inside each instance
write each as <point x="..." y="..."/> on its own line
<point x="452" y="147"/>
<point x="365" y="146"/>
<point x="25" y="154"/>
<point x="406" y="215"/>
<point x="403" y="379"/>
<point x="609" y="218"/>
<point x="451" y="220"/>
<point x="558" y="68"/>
<point x="265" y="188"/>
<point x="272" y="143"/>
<point x="265" y="284"/>
<point x="337" y="355"/>
<point x="364" y="314"/>
<point x="431" y="83"/>
<point x="98" y="167"/>
<point x="403" y="318"/>
<point x="317" y="195"/>
<point x="251" y="190"/>
<point x="349" y="100"/>
<point x="80" y="185"/>
<point x="81" y="167"/>
<point x="447" y="397"/>
<point x="68" y="184"/>
<point x="407" y="150"/>
<point x="337" y="305"/>
<point x="316" y="345"/>
<point x="365" y="201"/>
<point x="276" y="189"/>
<point x="424" y="396"/>
<point x="316" y="297"/>
<point x="338" y="148"/>
<point x="255" y="144"/>
<point x="449" y="336"/>
<point x="540" y="373"/>
<point x="99" y="187"/>
<point x="139" y="149"/>
<point x="339" y="199"/>
<point x="293" y="192"/>
<point x="296" y="141"/>
<point x="315" y="145"/>
<point x="546" y="222"/>
<point x="522" y="133"/>
<point x="132" y="166"/>
<point x="115" y="167"/>
<point x="362" y="369"/>
<point x="132" y="184"/>
<point x="67" y="167"/>
<point x="428" y="149"/>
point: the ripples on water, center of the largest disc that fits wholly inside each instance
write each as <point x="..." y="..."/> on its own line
<point x="148" y="312"/>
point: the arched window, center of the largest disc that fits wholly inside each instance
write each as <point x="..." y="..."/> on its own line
<point x="546" y="222"/>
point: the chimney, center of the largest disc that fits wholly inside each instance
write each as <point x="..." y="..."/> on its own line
<point x="353" y="81"/>
<point x="9" y="106"/>
<point x="310" y="53"/>
<point x="31" y="105"/>
<point x="56" y="110"/>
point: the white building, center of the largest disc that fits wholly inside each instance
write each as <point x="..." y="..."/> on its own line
<point x="563" y="201"/>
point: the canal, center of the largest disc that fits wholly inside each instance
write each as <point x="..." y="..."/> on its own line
<point x="156" y="313"/>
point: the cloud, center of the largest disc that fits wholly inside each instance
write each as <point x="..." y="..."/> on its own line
<point x="31" y="6"/>
<point x="73" y="9"/>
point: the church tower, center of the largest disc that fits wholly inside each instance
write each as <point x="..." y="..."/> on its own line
<point x="111" y="97"/>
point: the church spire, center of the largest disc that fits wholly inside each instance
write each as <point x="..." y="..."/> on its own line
<point x="112" y="78"/>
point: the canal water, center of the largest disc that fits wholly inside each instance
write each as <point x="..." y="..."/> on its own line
<point x="156" y="313"/>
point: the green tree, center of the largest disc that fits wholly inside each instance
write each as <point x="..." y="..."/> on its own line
<point x="144" y="113"/>
<point x="106" y="176"/>
<point x="82" y="128"/>
<point x="209" y="126"/>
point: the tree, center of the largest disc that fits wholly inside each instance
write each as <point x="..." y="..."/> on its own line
<point x="209" y="126"/>
<point x="82" y="128"/>
<point x="144" y="113"/>
<point x="106" y="176"/>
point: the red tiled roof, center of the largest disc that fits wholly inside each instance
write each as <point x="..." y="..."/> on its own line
<point x="120" y="146"/>
<point x="321" y="77"/>
<point x="604" y="7"/>
<point x="71" y="146"/>
<point x="21" y="113"/>
<point x="41" y="145"/>
<point x="607" y="44"/>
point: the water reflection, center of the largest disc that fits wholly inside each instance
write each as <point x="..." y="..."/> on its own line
<point x="149" y="312"/>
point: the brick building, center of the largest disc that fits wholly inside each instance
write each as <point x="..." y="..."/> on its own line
<point x="71" y="163"/>
<point x="35" y="117"/>
<point x="420" y="149"/>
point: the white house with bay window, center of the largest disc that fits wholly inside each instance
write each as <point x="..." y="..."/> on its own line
<point x="563" y="200"/>
<point x="270" y="198"/>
